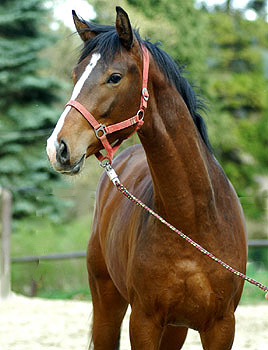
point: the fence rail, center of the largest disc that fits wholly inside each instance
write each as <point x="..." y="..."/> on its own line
<point x="259" y="243"/>
<point x="56" y="256"/>
<point x="81" y="254"/>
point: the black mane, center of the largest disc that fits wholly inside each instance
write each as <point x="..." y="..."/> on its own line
<point x="108" y="44"/>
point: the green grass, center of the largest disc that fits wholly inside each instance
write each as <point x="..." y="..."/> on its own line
<point x="61" y="278"/>
<point x="252" y="294"/>
<point x="40" y="236"/>
<point x="76" y="294"/>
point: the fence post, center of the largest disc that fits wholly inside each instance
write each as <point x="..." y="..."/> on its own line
<point x="5" y="231"/>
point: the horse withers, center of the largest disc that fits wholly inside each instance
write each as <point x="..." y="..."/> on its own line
<point x="132" y="258"/>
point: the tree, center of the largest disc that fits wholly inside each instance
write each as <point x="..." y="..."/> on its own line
<point x="177" y="25"/>
<point x="259" y="6"/>
<point x="27" y="112"/>
<point x="238" y="89"/>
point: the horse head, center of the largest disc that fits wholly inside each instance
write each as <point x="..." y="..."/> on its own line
<point x="107" y="83"/>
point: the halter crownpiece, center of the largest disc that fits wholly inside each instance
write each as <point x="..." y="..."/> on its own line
<point x="102" y="130"/>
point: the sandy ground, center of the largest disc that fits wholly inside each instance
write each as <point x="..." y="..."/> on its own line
<point x="38" y="324"/>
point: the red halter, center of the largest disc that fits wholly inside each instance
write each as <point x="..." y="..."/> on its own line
<point x="101" y="130"/>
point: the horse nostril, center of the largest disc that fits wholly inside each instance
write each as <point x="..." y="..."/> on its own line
<point x="63" y="155"/>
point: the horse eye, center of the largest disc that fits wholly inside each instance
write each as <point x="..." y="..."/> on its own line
<point x="114" y="78"/>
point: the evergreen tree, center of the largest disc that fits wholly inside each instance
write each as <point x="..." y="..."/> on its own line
<point x="26" y="106"/>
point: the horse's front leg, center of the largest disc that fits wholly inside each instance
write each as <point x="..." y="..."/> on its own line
<point x="145" y="333"/>
<point x="109" y="307"/>
<point x="108" y="312"/>
<point x="173" y="338"/>
<point x="220" y="335"/>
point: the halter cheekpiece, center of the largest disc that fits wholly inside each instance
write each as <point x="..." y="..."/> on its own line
<point x="102" y="130"/>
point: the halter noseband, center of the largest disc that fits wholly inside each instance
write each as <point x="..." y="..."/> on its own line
<point x="101" y="130"/>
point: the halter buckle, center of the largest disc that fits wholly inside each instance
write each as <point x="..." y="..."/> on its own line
<point x="145" y="94"/>
<point x="101" y="129"/>
<point x="140" y="113"/>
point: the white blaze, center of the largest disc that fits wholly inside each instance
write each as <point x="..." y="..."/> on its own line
<point x="52" y="140"/>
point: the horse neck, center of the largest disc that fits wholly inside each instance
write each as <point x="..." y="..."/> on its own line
<point x="177" y="157"/>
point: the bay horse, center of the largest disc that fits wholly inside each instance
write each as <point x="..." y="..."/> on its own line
<point x="132" y="258"/>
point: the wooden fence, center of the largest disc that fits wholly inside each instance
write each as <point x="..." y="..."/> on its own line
<point x="81" y="254"/>
<point x="5" y="231"/>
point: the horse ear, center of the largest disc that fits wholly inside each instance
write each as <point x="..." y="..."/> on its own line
<point x="123" y="28"/>
<point x="82" y="27"/>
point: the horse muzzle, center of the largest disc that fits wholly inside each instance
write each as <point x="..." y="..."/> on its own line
<point x="61" y="160"/>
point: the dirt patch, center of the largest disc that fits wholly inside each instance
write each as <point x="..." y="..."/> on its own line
<point x="39" y="324"/>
